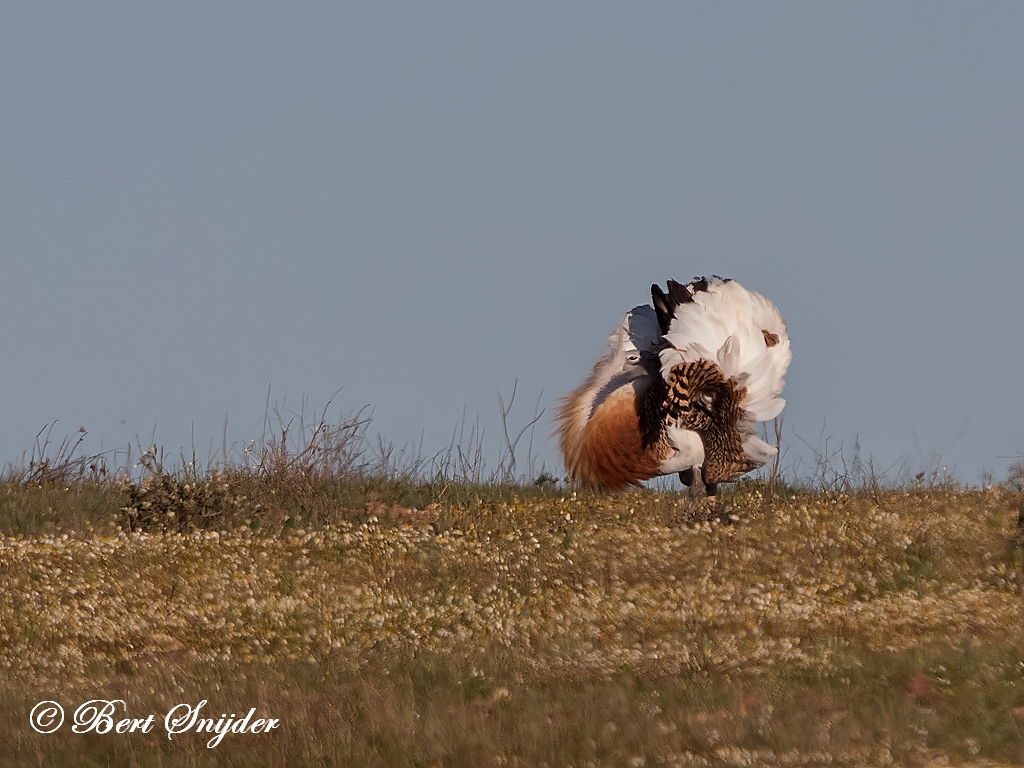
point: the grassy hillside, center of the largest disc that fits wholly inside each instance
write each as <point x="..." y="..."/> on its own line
<point x="416" y="623"/>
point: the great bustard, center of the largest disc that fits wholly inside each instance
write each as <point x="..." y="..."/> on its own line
<point x="680" y="389"/>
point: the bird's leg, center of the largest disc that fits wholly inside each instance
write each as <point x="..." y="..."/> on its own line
<point x="689" y="478"/>
<point x="722" y="512"/>
<point x="711" y="489"/>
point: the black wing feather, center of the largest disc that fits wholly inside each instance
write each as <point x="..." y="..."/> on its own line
<point x="665" y="303"/>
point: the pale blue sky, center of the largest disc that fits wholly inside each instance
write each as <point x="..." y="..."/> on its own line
<point x="424" y="202"/>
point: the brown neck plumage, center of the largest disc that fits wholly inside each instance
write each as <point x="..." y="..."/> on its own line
<point x="621" y="443"/>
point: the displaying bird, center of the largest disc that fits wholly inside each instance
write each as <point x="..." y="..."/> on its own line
<point x="680" y="390"/>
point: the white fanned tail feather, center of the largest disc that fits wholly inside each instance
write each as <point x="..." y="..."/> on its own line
<point x="732" y="326"/>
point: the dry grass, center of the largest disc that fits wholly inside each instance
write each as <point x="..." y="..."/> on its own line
<point x="411" y="614"/>
<point x="547" y="627"/>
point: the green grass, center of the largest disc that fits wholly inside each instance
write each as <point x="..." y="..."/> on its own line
<point x="395" y="621"/>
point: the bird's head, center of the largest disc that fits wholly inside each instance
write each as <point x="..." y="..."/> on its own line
<point x="632" y="354"/>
